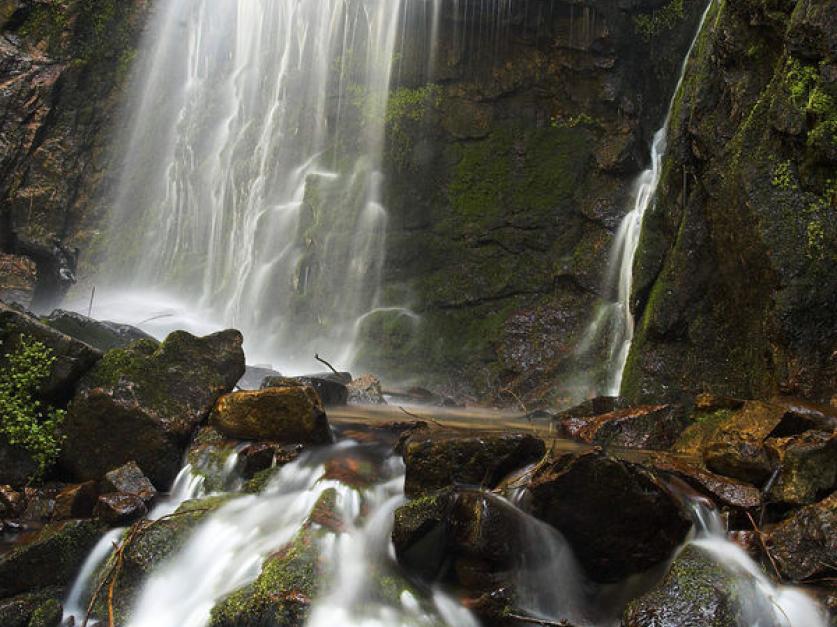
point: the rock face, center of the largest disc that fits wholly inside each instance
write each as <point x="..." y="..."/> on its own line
<point x="437" y="459"/>
<point x="62" y="66"/>
<point x="102" y="335"/>
<point x="52" y="558"/>
<point x="142" y="403"/>
<point x="695" y="592"/>
<point x="73" y="358"/>
<point x="291" y="414"/>
<point x="18" y="278"/>
<point x="732" y="284"/>
<point x="614" y="514"/>
<point x="805" y="544"/>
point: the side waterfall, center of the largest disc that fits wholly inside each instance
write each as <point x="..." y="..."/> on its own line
<point x="616" y="319"/>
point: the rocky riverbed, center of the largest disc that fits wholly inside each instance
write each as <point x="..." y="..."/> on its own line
<point x="481" y="504"/>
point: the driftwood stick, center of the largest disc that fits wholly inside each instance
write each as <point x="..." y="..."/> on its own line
<point x="539" y="621"/>
<point x="323" y="361"/>
<point x="764" y="548"/>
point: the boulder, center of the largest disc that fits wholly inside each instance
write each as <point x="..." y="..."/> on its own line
<point x="615" y="515"/>
<point x="330" y="390"/>
<point x="419" y="533"/>
<point x="437" y="459"/>
<point x="11" y="502"/>
<point x="152" y="544"/>
<point x="254" y="376"/>
<point x="72" y="358"/>
<point x="695" y="592"/>
<point x="102" y="335"/>
<point x="75" y="501"/>
<point x="366" y="390"/>
<point x="723" y="490"/>
<point x="288" y="415"/>
<point x="254" y="458"/>
<point x="18" y="278"/>
<point x="32" y="609"/>
<point x="51" y="558"/>
<point x="142" y="403"/>
<point x="593" y="407"/>
<point x="355" y="470"/>
<point x="654" y="427"/>
<point x="807" y="467"/>
<point x="805" y="544"/>
<point x="129" y="479"/>
<point x="731" y="442"/>
<point x="118" y="509"/>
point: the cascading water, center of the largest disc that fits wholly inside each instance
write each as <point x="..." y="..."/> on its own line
<point x="616" y="319"/>
<point x="251" y="191"/>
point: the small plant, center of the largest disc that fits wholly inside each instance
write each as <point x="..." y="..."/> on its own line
<point x="659" y="21"/>
<point x="24" y="420"/>
<point x="783" y="177"/>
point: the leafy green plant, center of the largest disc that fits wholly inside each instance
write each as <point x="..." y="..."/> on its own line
<point x="24" y="420"/>
<point x="659" y="21"/>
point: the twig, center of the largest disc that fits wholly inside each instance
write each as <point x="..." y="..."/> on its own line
<point x="323" y="361"/>
<point x="152" y="318"/>
<point x="539" y="621"/>
<point x="517" y="398"/>
<point x="760" y="535"/>
<point x="422" y="418"/>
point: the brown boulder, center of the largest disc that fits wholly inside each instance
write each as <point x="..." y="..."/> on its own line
<point x="655" y="427"/>
<point x="365" y="390"/>
<point x="807" y="467"/>
<point x="287" y="415"/>
<point x="75" y="501"/>
<point x="805" y="544"/>
<point x="129" y="479"/>
<point x="615" y="515"/>
<point x="120" y="509"/>
<point x="436" y="459"/>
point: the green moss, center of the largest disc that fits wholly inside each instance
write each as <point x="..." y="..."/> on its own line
<point x="408" y="110"/>
<point x="783" y="177"/>
<point x="659" y="21"/>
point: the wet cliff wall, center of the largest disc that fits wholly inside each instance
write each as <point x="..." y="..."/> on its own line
<point x="736" y="272"/>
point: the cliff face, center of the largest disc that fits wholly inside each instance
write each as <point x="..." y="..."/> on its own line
<point x="736" y="272"/>
<point x="510" y="168"/>
<point x="62" y="65"/>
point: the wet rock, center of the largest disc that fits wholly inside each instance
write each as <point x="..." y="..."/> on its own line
<point x="366" y="390"/>
<point x="102" y="335"/>
<point x="254" y="376"/>
<point x="353" y="470"/>
<point x="142" y="403"/>
<point x="129" y="479"/>
<point x="695" y="591"/>
<point x="40" y="504"/>
<point x="713" y="402"/>
<point x="16" y="464"/>
<point x="807" y="467"/>
<point x="51" y="558"/>
<point x="805" y="544"/>
<point x="32" y="609"/>
<point x="436" y="459"/>
<point x="209" y="455"/>
<point x="18" y="278"/>
<point x="801" y="416"/>
<point x="731" y="442"/>
<point x="419" y="533"/>
<point x="645" y="426"/>
<point x="72" y="358"/>
<point x="11" y="501"/>
<point x="119" y="509"/>
<point x="720" y="489"/>
<point x="330" y="390"/>
<point x="254" y="458"/>
<point x="76" y="501"/>
<point x="593" y="407"/>
<point x="287" y="415"/>
<point x="615" y="515"/>
<point x="152" y="544"/>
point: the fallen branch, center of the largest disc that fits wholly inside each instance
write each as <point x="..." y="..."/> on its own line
<point x="764" y="548"/>
<point x="422" y="418"/>
<point x="539" y="621"/>
<point x="323" y="361"/>
<point x="517" y="398"/>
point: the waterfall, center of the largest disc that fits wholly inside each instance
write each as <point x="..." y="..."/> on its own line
<point x="617" y="318"/>
<point x="250" y="190"/>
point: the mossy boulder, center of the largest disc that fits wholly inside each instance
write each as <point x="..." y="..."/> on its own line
<point x="142" y="403"/>
<point x="805" y="544"/>
<point x="807" y="466"/>
<point x="101" y="335"/>
<point x="419" y="533"/>
<point x="292" y="414"/>
<point x="51" y="558"/>
<point x="330" y="387"/>
<point x="152" y="543"/>
<point x="41" y="608"/>
<point x="696" y="591"/>
<point x="617" y="517"/>
<point x="73" y="359"/>
<point x="437" y="459"/>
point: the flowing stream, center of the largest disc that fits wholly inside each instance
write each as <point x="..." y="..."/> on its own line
<point x="616" y="319"/>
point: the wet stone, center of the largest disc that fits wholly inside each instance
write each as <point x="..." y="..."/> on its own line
<point x="129" y="479"/>
<point x="118" y="509"/>
<point x="76" y="501"/>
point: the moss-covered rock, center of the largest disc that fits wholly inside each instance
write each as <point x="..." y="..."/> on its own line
<point x="804" y="545"/>
<point x="142" y="403"/>
<point x="51" y="558"/>
<point x="695" y="591"/>
<point x="291" y="414"/>
<point x="807" y="466"/>
<point x="644" y="426"/>
<point x="101" y="335"/>
<point x="33" y="609"/>
<point x="438" y="459"/>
